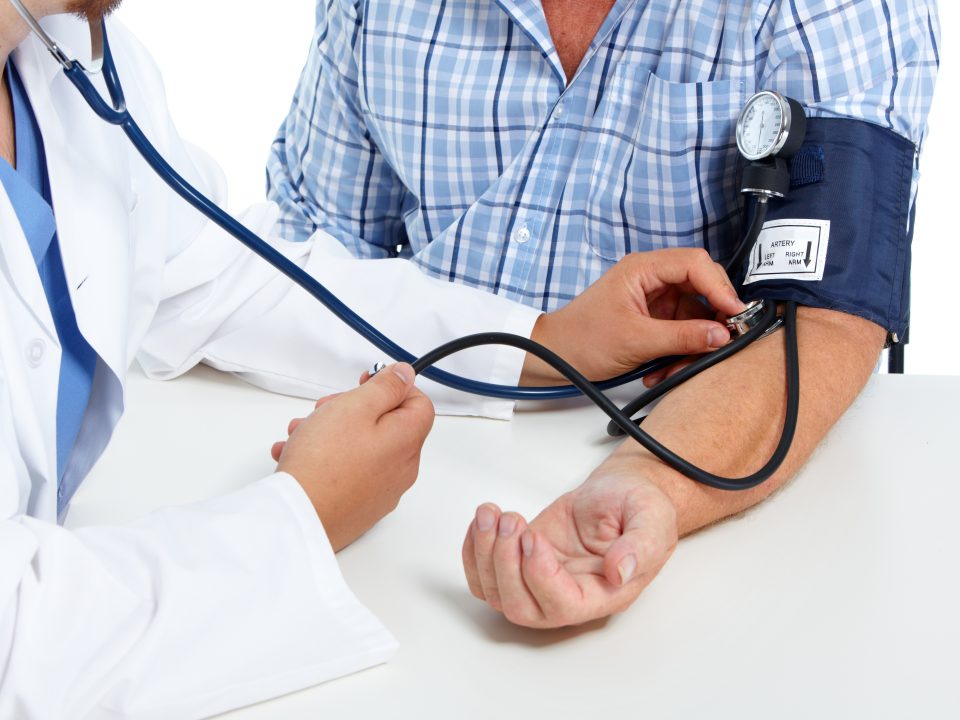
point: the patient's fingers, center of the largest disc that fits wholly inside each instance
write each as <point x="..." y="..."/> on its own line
<point x="554" y="589"/>
<point x="518" y="605"/>
<point x="484" y="538"/>
<point x="470" y="563"/>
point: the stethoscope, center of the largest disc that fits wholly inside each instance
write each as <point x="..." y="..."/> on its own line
<point x="759" y="318"/>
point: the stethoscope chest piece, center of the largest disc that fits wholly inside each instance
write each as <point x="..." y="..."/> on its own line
<point x="743" y="322"/>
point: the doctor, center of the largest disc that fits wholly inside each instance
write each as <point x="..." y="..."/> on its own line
<point x="196" y="610"/>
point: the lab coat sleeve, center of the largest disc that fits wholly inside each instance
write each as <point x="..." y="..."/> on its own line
<point x="222" y="305"/>
<point x="189" y="612"/>
<point x="228" y="309"/>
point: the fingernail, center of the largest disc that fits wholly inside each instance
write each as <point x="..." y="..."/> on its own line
<point x="626" y="568"/>
<point x="717" y="338"/>
<point x="404" y="372"/>
<point x="736" y="298"/>
<point x="526" y="542"/>
<point x="508" y="523"/>
<point x="485" y="519"/>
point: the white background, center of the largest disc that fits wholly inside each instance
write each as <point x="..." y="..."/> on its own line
<point x="231" y="69"/>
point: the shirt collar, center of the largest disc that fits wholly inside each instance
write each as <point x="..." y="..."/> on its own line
<point x="70" y="33"/>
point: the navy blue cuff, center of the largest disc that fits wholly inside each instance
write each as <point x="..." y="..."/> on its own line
<point x="858" y="176"/>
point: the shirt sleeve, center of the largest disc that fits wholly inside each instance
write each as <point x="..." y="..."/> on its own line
<point x="325" y="171"/>
<point x="874" y="61"/>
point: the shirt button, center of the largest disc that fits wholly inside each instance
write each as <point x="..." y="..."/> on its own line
<point x="559" y="110"/>
<point x="522" y="235"/>
<point x="35" y="350"/>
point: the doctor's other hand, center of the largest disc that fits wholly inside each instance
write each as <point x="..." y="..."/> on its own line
<point x="642" y="308"/>
<point x="359" y="451"/>
<point x="587" y="556"/>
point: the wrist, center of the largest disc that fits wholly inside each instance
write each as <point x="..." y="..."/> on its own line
<point x="636" y="490"/>
<point x="696" y="505"/>
<point x="535" y="371"/>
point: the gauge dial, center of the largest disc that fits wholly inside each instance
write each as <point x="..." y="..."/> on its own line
<point x="763" y="126"/>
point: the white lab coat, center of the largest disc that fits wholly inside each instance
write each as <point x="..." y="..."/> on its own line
<point x="194" y="610"/>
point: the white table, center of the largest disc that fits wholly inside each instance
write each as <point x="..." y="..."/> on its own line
<point x="840" y="597"/>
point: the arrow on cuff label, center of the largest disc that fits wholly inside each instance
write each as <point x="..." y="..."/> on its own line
<point x="806" y="260"/>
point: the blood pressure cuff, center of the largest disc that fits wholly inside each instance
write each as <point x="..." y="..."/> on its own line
<point x="841" y="238"/>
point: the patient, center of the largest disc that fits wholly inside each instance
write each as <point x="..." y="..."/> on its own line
<point x="526" y="148"/>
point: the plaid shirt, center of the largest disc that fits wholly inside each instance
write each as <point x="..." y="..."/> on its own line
<point x="445" y="130"/>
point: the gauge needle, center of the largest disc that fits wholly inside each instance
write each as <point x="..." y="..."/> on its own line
<point x="760" y="133"/>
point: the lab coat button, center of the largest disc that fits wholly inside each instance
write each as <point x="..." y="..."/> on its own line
<point x="35" y="351"/>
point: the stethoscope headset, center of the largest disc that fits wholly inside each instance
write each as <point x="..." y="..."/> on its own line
<point x="765" y="177"/>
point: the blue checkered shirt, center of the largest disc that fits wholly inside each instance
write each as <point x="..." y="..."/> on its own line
<point x="445" y="130"/>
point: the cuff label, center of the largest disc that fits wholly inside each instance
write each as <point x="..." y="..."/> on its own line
<point x="790" y="250"/>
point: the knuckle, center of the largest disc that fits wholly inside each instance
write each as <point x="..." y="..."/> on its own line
<point x="625" y="603"/>
<point x="393" y="502"/>
<point x="411" y="477"/>
<point x="516" y="613"/>
<point x="700" y="255"/>
<point x="426" y="417"/>
<point x="686" y="339"/>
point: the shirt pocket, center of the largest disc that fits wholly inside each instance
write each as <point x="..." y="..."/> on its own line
<point x="665" y="172"/>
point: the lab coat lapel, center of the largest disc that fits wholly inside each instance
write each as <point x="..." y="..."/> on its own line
<point x="27" y="325"/>
<point x="22" y="269"/>
<point x="90" y="184"/>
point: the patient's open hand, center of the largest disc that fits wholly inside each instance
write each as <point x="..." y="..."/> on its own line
<point x="588" y="555"/>
<point x="359" y="451"/>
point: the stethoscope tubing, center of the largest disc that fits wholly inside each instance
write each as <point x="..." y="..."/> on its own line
<point x="120" y="116"/>
<point x="621" y="418"/>
<point x="580" y="385"/>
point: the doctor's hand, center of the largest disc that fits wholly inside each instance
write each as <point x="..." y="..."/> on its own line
<point x="359" y="451"/>
<point x="642" y="308"/>
<point x="586" y="556"/>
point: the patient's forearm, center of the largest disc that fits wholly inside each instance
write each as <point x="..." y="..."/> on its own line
<point x="728" y="419"/>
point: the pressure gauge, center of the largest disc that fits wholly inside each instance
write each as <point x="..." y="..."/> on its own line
<point x="770" y="125"/>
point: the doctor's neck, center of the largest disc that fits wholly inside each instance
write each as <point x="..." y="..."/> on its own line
<point x="13" y="29"/>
